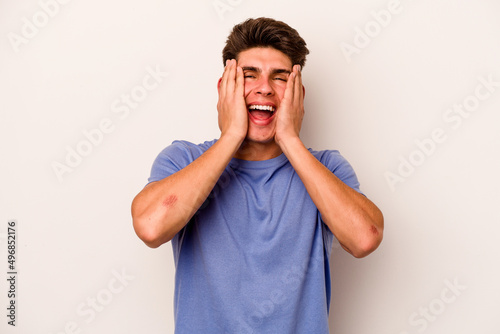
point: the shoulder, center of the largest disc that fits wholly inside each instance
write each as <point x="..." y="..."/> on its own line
<point x="175" y="157"/>
<point x="185" y="149"/>
<point x="330" y="158"/>
<point x="338" y="165"/>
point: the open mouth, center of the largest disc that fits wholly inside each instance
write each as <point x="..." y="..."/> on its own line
<point x="261" y="112"/>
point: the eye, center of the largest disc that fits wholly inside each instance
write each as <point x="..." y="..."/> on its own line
<point x="284" y="79"/>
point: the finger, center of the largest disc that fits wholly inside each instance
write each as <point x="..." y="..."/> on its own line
<point x="231" y="78"/>
<point x="240" y="82"/>
<point x="223" y="82"/>
<point x="289" y="87"/>
<point x="225" y="76"/>
<point x="298" y="86"/>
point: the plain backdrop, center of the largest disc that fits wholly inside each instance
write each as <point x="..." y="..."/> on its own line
<point x="408" y="91"/>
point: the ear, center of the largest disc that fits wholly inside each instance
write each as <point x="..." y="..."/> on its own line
<point x="218" y="84"/>
<point x="304" y="91"/>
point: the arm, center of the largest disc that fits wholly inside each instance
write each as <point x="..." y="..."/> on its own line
<point x="353" y="219"/>
<point x="164" y="207"/>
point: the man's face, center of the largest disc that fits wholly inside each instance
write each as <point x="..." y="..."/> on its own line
<point x="266" y="72"/>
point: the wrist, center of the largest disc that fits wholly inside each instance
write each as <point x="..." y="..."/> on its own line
<point x="287" y="139"/>
<point x="289" y="142"/>
<point x="235" y="140"/>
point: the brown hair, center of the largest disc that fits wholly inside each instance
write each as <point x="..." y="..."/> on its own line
<point x="265" y="32"/>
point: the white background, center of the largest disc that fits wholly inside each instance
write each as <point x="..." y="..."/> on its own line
<point x="75" y="233"/>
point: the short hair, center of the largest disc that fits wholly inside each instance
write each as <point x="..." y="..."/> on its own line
<point x="265" y="32"/>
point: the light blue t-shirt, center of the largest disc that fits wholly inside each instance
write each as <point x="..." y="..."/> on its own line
<point x="255" y="257"/>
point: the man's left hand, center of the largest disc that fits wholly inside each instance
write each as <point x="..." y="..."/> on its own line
<point x="291" y="110"/>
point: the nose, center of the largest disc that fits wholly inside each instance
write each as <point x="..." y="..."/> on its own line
<point x="264" y="87"/>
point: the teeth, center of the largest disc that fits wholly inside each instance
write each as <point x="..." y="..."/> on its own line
<point x="259" y="107"/>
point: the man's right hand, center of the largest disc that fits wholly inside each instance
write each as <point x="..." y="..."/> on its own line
<point x="233" y="115"/>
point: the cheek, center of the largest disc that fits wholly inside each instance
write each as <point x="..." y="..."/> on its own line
<point x="247" y="89"/>
<point x="280" y="92"/>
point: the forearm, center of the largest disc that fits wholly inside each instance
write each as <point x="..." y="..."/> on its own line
<point x="164" y="207"/>
<point x="353" y="219"/>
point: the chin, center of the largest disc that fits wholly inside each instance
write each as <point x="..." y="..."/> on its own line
<point x="260" y="137"/>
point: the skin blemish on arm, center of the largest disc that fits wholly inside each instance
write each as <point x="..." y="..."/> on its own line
<point x="374" y="230"/>
<point x="169" y="201"/>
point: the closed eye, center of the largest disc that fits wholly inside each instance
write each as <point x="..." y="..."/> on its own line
<point x="281" y="77"/>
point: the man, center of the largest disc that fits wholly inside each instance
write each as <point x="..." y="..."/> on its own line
<point x="252" y="216"/>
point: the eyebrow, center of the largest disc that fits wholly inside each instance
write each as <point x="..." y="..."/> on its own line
<point x="273" y="71"/>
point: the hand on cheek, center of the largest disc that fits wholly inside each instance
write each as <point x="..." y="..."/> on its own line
<point x="233" y="117"/>
<point x="291" y="109"/>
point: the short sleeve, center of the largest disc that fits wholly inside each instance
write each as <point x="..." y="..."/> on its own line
<point x="342" y="169"/>
<point x="174" y="158"/>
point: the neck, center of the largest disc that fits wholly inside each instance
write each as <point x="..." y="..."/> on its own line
<point x="255" y="151"/>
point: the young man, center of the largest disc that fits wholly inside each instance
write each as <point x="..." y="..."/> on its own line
<point x="252" y="216"/>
